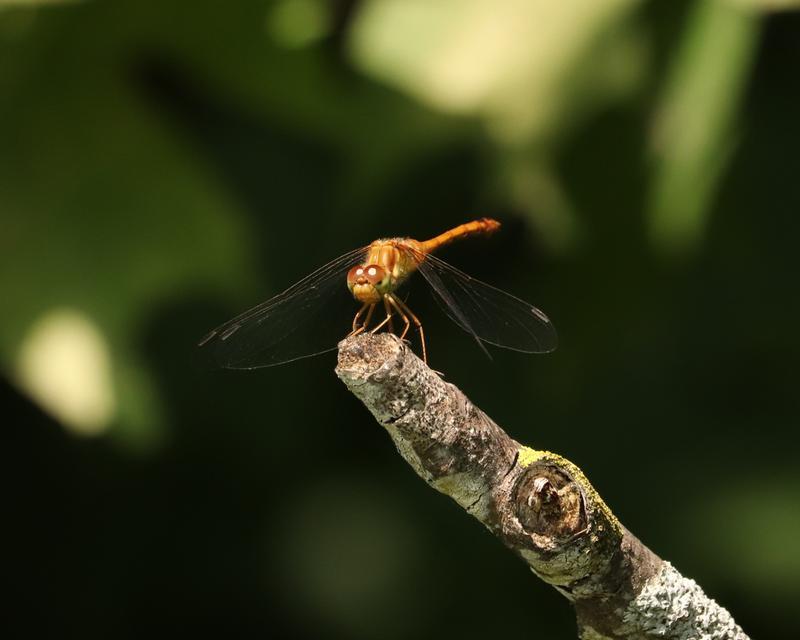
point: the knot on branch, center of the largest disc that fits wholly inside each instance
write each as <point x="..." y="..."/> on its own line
<point x="556" y="521"/>
<point x="550" y="505"/>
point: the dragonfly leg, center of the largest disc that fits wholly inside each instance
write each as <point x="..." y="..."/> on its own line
<point x="368" y="318"/>
<point x="388" y="314"/>
<point x="392" y="300"/>
<point x="358" y="317"/>
<point x="356" y="328"/>
<point x="404" y="307"/>
<point x="387" y="319"/>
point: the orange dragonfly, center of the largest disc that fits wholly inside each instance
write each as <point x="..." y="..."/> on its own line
<point x="295" y="324"/>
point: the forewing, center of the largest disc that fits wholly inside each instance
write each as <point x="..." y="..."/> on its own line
<point x="307" y="319"/>
<point x="487" y="313"/>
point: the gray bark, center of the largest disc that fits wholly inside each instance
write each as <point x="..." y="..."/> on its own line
<point x="540" y="505"/>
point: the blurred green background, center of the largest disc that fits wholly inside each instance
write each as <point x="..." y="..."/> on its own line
<point x="165" y="165"/>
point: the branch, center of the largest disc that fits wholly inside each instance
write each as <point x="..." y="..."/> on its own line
<point x="540" y="505"/>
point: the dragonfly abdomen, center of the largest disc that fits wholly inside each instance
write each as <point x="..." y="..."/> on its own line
<point x="484" y="226"/>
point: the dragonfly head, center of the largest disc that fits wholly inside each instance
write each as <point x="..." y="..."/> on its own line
<point x="368" y="283"/>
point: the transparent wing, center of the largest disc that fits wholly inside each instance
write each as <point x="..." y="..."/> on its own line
<point x="307" y="319"/>
<point x="488" y="314"/>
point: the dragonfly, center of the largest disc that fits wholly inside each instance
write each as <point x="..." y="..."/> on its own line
<point x="297" y="323"/>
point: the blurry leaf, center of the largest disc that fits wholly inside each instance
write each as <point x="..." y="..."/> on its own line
<point x="510" y="61"/>
<point x="767" y="5"/>
<point x="694" y="131"/>
<point x="298" y="23"/>
<point x="64" y="364"/>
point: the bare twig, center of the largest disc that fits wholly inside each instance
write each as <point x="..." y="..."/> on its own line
<point x="540" y="505"/>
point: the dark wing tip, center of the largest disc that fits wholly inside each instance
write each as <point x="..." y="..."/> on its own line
<point x="223" y="333"/>
<point x="551" y="342"/>
<point x="540" y="314"/>
<point x="207" y="338"/>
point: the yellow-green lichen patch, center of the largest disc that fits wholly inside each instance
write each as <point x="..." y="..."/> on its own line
<point x="527" y="456"/>
<point x="592" y="497"/>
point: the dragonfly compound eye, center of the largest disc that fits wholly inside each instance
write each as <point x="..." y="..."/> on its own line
<point x="355" y="276"/>
<point x="374" y="274"/>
